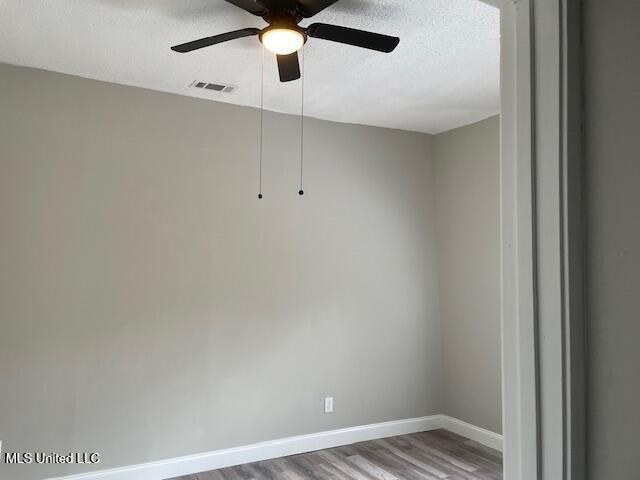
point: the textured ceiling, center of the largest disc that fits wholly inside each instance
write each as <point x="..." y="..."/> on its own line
<point x="444" y="74"/>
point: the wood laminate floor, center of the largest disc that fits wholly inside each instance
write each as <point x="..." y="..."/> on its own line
<point x="435" y="455"/>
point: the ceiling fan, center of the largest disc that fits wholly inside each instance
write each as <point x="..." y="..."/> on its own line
<point x="284" y="37"/>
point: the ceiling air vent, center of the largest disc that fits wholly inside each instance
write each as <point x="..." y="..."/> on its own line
<point x="214" y="87"/>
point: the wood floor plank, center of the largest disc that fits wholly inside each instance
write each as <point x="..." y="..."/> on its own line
<point x="443" y="465"/>
<point x="463" y="449"/>
<point x="377" y="472"/>
<point x="488" y="452"/>
<point x="413" y="460"/>
<point x="332" y="472"/>
<point x="411" y="470"/>
<point x="443" y="454"/>
<point x="345" y="466"/>
<point x="401" y="469"/>
<point x="434" y="455"/>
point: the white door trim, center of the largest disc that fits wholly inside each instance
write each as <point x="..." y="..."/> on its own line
<point x="541" y="211"/>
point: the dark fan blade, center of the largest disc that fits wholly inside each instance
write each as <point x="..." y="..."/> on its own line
<point x="206" y="42"/>
<point x="351" y="36"/>
<point x="289" y="67"/>
<point x="313" y="7"/>
<point x="249" y="6"/>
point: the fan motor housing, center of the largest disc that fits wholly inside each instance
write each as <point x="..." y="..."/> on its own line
<point x="284" y="15"/>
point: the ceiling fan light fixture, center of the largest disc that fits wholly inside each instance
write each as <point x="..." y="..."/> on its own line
<point x="284" y="36"/>
<point x="282" y="41"/>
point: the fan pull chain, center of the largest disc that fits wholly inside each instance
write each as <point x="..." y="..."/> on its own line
<point x="261" y="122"/>
<point x="301" y="191"/>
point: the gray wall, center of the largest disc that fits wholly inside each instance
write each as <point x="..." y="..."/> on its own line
<point x="467" y="163"/>
<point x="151" y="306"/>
<point x="612" y="102"/>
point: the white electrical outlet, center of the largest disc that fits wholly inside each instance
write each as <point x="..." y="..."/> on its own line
<point x="328" y="404"/>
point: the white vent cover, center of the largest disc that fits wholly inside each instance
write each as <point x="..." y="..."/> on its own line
<point x="213" y="87"/>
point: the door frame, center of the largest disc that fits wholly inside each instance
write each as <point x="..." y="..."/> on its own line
<point x="542" y="241"/>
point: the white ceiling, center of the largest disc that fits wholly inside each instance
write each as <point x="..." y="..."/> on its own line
<point x="444" y="74"/>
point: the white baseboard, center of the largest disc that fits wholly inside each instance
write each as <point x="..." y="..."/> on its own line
<point x="203" y="462"/>
<point x="480" y="435"/>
